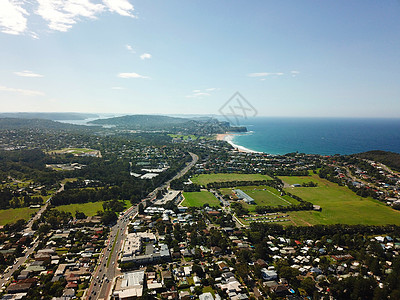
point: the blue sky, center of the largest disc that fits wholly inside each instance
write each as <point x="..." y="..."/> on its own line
<point x="287" y="58"/>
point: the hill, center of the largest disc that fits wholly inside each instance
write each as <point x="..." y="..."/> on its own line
<point x="48" y="116"/>
<point x="16" y="123"/>
<point x="169" y="124"/>
<point x="390" y="159"/>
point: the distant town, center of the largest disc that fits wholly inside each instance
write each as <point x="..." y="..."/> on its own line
<point x="158" y="208"/>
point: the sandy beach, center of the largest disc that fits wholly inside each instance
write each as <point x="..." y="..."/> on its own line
<point x="228" y="137"/>
<point x="221" y="136"/>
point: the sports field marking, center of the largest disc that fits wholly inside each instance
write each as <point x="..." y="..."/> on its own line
<point x="279" y="197"/>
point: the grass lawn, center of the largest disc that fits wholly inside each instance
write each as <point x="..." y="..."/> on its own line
<point x="184" y="137"/>
<point x="204" y="179"/>
<point x="208" y="289"/>
<point x="300" y="179"/>
<point x="339" y="205"/>
<point x="14" y="214"/>
<point x="263" y="196"/>
<point x="89" y="209"/>
<point x="64" y="181"/>
<point x="73" y="150"/>
<point x="198" y="199"/>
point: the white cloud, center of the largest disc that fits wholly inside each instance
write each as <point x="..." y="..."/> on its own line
<point x="13" y="18"/>
<point x="62" y="15"/>
<point x="121" y="7"/>
<point x="264" y="74"/>
<point x="145" y="55"/>
<point x="130" y="48"/>
<point x="200" y="93"/>
<point x="21" y="91"/>
<point x="27" y="73"/>
<point x="294" y="73"/>
<point x="132" y="75"/>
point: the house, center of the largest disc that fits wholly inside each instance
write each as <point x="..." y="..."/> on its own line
<point x="21" y="286"/>
<point x="222" y="265"/>
<point x="165" y="275"/>
<point x="196" y="280"/>
<point x="170" y="295"/>
<point x="268" y="275"/>
<point x="187" y="270"/>
<point x="206" y="296"/>
<point x="261" y="263"/>
<point x="213" y="213"/>
<point x="317" y="208"/>
<point x="280" y="290"/>
<point x="216" y="250"/>
<point x="68" y="293"/>
<point x="184" y="295"/>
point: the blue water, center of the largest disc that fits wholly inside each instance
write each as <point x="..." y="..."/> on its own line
<point x="324" y="136"/>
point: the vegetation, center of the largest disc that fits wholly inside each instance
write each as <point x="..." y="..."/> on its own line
<point x="198" y="199"/>
<point x="89" y="209"/>
<point x="198" y="126"/>
<point x="13" y="214"/>
<point x="266" y="196"/>
<point x="204" y="179"/>
<point x="390" y="159"/>
<point x="339" y="205"/>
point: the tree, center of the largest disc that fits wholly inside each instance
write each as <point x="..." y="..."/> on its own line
<point x="140" y="209"/>
<point x="80" y="215"/>
<point x="198" y="270"/>
<point x="198" y="290"/>
<point x="109" y="217"/>
<point x="308" y="285"/>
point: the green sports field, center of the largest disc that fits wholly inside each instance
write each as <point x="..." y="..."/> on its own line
<point x="339" y="205"/>
<point x="14" y="214"/>
<point x="198" y="199"/>
<point x="89" y="209"/>
<point x="263" y="196"/>
<point x="204" y="179"/>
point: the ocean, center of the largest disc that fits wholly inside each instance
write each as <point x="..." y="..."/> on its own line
<point x="325" y="136"/>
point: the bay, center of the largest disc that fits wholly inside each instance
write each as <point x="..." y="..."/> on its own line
<point x="325" y="136"/>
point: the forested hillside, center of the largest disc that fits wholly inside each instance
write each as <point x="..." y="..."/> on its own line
<point x="390" y="159"/>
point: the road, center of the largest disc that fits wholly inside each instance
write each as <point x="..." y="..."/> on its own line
<point x="151" y="196"/>
<point x="28" y="251"/>
<point x="106" y="271"/>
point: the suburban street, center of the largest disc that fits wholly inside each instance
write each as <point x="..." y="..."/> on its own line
<point x="28" y="251"/>
<point x="107" y="271"/>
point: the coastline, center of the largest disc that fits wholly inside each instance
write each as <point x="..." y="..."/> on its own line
<point x="228" y="137"/>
